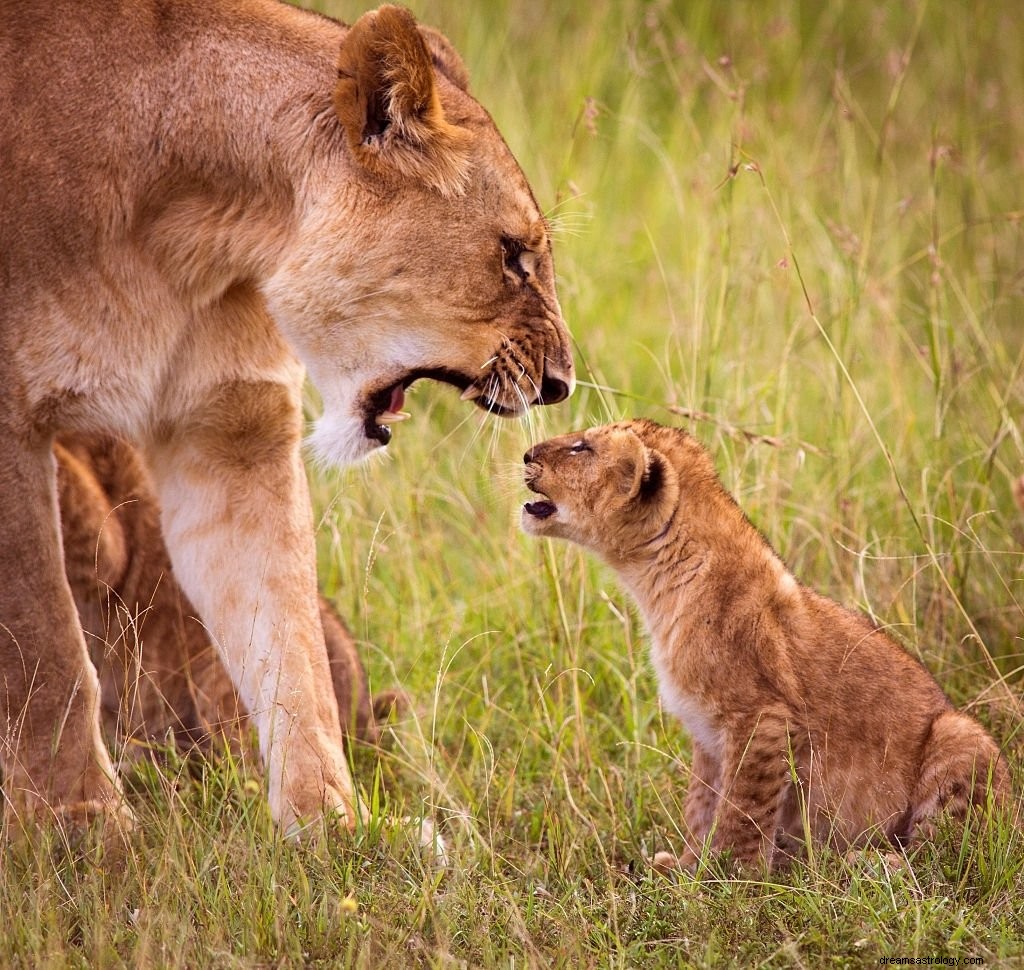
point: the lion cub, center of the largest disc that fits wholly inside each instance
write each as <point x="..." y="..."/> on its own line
<point x="800" y="710"/>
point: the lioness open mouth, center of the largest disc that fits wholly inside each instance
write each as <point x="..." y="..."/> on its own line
<point x="383" y="408"/>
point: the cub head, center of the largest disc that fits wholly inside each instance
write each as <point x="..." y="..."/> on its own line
<point x="610" y="489"/>
<point x="420" y="249"/>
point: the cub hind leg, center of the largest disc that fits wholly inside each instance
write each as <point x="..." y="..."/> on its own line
<point x="95" y="547"/>
<point x="961" y="762"/>
<point x="138" y="626"/>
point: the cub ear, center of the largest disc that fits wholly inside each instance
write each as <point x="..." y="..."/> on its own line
<point x="642" y="471"/>
<point x="386" y="99"/>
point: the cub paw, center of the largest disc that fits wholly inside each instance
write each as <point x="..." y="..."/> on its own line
<point x="390" y="705"/>
<point x="666" y="863"/>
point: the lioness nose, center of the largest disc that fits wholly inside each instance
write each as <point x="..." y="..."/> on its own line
<point x="553" y="390"/>
<point x="528" y="457"/>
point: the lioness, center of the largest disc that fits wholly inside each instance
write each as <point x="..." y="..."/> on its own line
<point x="798" y="708"/>
<point x="201" y="199"/>
<point x="160" y="677"/>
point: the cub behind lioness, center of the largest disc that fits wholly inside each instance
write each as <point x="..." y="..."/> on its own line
<point x="159" y="674"/>
<point x="799" y="710"/>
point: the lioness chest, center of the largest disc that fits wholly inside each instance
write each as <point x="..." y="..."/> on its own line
<point x="127" y="366"/>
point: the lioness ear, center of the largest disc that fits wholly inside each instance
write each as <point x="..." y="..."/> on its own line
<point x="445" y="57"/>
<point x="386" y="99"/>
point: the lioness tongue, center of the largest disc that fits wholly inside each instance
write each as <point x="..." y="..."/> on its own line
<point x="394" y="412"/>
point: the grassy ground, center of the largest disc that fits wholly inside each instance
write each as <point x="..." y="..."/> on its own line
<point x="794" y="228"/>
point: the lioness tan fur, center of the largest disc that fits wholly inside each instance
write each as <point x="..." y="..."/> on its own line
<point x="201" y="199"/>
<point x="160" y="676"/>
<point x="798" y="708"/>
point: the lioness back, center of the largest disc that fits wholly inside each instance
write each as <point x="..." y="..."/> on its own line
<point x="802" y="713"/>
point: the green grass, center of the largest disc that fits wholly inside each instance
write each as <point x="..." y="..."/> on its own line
<point x="795" y="229"/>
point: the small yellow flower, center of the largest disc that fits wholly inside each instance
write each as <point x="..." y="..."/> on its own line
<point x="349" y="905"/>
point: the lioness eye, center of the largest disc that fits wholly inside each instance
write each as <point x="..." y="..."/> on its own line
<point x="512" y="251"/>
<point x="579" y="447"/>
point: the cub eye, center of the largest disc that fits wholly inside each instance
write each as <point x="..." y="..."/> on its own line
<point x="512" y="251"/>
<point x="580" y="447"/>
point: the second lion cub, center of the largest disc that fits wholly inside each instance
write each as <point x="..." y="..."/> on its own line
<point x="800" y="710"/>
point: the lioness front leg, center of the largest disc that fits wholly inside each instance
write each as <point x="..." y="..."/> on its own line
<point x="238" y="524"/>
<point x="54" y="761"/>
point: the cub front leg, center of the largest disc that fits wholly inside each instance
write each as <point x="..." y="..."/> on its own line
<point x="698" y="811"/>
<point x="754" y="781"/>
<point x="238" y="525"/>
<point x="54" y="762"/>
<point x="701" y="802"/>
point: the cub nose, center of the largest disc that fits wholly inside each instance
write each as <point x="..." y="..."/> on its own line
<point x="529" y="456"/>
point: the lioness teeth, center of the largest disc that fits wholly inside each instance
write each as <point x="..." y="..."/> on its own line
<point x="471" y="393"/>
<point x="392" y="417"/>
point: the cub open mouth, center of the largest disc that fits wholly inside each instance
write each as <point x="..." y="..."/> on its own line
<point x="540" y="510"/>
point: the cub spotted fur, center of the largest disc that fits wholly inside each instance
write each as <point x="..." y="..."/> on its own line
<point x="160" y="676"/>
<point x="797" y="707"/>
<point x="201" y="201"/>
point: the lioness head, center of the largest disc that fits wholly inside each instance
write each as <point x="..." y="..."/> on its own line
<point x="613" y="488"/>
<point x="420" y="250"/>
